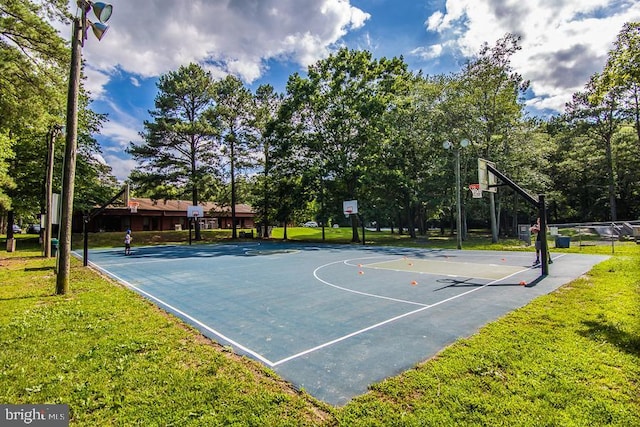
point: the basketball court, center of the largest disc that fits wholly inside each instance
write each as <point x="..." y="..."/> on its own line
<point x="333" y="319"/>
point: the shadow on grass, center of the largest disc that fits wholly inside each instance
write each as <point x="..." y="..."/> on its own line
<point x="40" y="296"/>
<point x="604" y="331"/>
<point x="40" y="268"/>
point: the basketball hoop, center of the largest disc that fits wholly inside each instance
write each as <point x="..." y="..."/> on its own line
<point x="476" y="191"/>
<point x="195" y="211"/>
<point x="349" y="207"/>
<point x="133" y="206"/>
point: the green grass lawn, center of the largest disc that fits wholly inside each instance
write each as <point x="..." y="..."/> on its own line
<point x="569" y="358"/>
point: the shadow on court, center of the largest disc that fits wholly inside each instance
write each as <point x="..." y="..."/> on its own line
<point x="333" y="319"/>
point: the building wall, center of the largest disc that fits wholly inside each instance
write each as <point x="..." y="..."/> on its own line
<point x="122" y="220"/>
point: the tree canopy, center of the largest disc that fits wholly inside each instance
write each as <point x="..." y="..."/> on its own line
<point x="34" y="68"/>
<point x="356" y="127"/>
<point x="351" y="127"/>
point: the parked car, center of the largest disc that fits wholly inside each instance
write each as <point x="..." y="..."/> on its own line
<point x="310" y="224"/>
<point x="33" y="229"/>
<point x="16" y="229"/>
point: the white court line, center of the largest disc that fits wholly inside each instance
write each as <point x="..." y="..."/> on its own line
<point x="144" y="260"/>
<point x="326" y="344"/>
<point x="380" y="266"/>
<point x="191" y="318"/>
<point x="315" y="274"/>
<point x="393" y="319"/>
<point x="136" y="262"/>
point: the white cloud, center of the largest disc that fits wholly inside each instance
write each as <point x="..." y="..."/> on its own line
<point x="121" y="168"/>
<point x="99" y="158"/>
<point x="148" y="38"/>
<point x="120" y="133"/>
<point x="435" y="21"/>
<point x="95" y="81"/>
<point x="152" y="37"/>
<point x="563" y="42"/>
<point x="428" y="52"/>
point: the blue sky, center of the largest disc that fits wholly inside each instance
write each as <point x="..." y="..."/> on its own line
<point x="265" y="41"/>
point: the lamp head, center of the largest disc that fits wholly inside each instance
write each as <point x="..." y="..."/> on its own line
<point x="102" y="11"/>
<point x="447" y="145"/>
<point x="464" y="143"/>
<point x="98" y="29"/>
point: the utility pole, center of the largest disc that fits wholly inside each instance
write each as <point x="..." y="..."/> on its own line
<point x="69" y="172"/>
<point x="80" y="26"/>
<point x="47" y="232"/>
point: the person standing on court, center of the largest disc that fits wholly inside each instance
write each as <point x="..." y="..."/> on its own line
<point x="127" y="243"/>
<point x="535" y="229"/>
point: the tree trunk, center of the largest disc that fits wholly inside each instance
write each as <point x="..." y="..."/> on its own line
<point x="234" y="233"/>
<point x="612" y="180"/>
<point x="355" y="238"/>
<point x="411" y="221"/>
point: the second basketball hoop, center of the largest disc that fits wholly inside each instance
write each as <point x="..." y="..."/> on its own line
<point x="133" y="206"/>
<point x="350" y="207"/>
<point x="476" y="191"/>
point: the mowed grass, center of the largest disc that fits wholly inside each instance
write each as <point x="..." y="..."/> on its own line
<point x="568" y="358"/>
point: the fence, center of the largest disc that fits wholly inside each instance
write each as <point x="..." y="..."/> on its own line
<point x="591" y="233"/>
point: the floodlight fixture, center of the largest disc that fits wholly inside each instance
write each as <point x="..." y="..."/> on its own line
<point x="98" y="29"/>
<point x="102" y="11"/>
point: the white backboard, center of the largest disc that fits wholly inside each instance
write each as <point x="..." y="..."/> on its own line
<point x="486" y="179"/>
<point x="195" y="211"/>
<point x="350" y="207"/>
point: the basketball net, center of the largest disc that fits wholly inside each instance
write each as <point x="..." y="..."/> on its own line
<point x="133" y="207"/>
<point x="476" y="191"/>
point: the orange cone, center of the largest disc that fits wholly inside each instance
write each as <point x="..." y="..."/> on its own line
<point x="360" y="272"/>
<point x="414" y="283"/>
<point x="523" y="283"/>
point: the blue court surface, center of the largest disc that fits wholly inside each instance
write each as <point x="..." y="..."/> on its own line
<point x="333" y="319"/>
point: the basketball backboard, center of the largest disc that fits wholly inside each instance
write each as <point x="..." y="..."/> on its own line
<point x="350" y="207"/>
<point x="195" y="211"/>
<point x="486" y="179"/>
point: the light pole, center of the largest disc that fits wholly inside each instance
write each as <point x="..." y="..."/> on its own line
<point x="53" y="133"/>
<point x="80" y="27"/>
<point x="448" y="145"/>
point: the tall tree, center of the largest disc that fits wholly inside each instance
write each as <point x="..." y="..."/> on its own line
<point x="6" y="182"/>
<point x="234" y="114"/>
<point x="33" y="60"/>
<point x="622" y="71"/>
<point x="179" y="152"/>
<point x="268" y="103"/>
<point x="595" y="112"/>
<point x="340" y="105"/>
<point x="493" y="96"/>
<point x="408" y="172"/>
